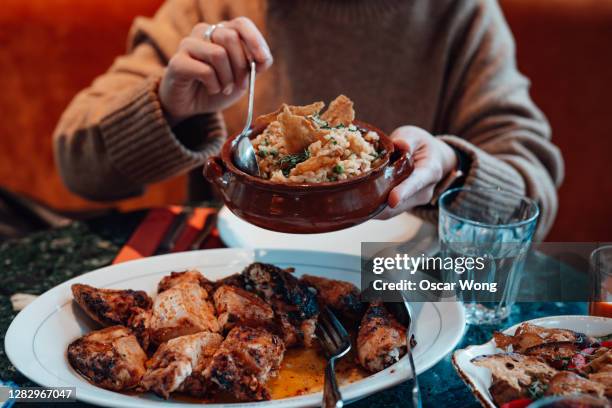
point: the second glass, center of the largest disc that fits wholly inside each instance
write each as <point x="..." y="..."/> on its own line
<point x="495" y="226"/>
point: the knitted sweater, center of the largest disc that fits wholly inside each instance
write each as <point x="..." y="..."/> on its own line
<point x="446" y="66"/>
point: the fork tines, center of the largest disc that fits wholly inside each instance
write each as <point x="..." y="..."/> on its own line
<point x="331" y="333"/>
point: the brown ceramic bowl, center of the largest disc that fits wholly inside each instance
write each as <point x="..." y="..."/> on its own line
<point x="307" y="208"/>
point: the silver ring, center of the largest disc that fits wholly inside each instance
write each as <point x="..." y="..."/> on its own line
<point x="210" y="30"/>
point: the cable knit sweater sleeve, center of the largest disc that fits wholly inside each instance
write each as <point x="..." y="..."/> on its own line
<point x="113" y="138"/>
<point x="488" y="115"/>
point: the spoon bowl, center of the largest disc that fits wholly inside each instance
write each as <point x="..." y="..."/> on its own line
<point x="243" y="154"/>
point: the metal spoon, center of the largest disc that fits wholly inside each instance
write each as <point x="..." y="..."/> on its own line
<point x="243" y="153"/>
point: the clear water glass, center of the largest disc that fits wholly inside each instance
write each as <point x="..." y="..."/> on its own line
<point x="492" y="225"/>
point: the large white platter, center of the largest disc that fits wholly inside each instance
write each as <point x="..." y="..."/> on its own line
<point x="479" y="378"/>
<point x="407" y="228"/>
<point x="37" y="339"/>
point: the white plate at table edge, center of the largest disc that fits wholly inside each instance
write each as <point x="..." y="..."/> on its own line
<point x="478" y="379"/>
<point x="43" y="359"/>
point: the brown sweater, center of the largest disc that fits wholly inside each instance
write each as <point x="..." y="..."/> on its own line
<point x="447" y="66"/>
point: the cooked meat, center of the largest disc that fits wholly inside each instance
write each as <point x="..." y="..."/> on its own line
<point x="192" y="276"/>
<point x="529" y="335"/>
<point x="183" y="309"/>
<point x="557" y="355"/>
<point x="604" y="378"/>
<point x="341" y="296"/>
<point x="568" y="383"/>
<point x="237" y="306"/>
<point x="109" y="307"/>
<point x="110" y="358"/>
<point x="601" y="362"/>
<point x="513" y="374"/>
<point x="381" y="340"/>
<point x="175" y="361"/>
<point x="233" y="280"/>
<point x="292" y="301"/>
<point x="247" y="358"/>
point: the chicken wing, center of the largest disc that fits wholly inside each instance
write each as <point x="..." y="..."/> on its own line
<point x="294" y="305"/>
<point x="191" y="276"/>
<point x="110" y="358"/>
<point x="183" y="309"/>
<point x="247" y="358"/>
<point x="109" y="307"/>
<point x="174" y="362"/>
<point x="381" y="339"/>
<point x="341" y="296"/>
<point x="237" y="306"/>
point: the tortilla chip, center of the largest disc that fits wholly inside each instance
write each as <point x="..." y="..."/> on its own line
<point x="340" y="112"/>
<point x="314" y="164"/>
<point x="298" y="131"/>
<point x="265" y="120"/>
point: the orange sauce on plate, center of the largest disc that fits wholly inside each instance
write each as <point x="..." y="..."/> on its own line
<point x="302" y="372"/>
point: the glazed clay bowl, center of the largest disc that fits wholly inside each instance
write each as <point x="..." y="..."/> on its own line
<point x="307" y="208"/>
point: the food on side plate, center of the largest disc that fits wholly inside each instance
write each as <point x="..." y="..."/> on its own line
<point x="178" y="359"/>
<point x="381" y="340"/>
<point x="303" y="144"/>
<point x="111" y="358"/>
<point x="538" y="361"/>
<point x="247" y="358"/>
<point x="109" y="307"/>
<point x="228" y="338"/>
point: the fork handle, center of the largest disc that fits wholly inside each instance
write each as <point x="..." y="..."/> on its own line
<point x="331" y="393"/>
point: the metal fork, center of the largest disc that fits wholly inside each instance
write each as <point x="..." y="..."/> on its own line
<point x="336" y="343"/>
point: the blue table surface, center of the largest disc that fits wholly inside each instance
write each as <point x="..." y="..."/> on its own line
<point x="37" y="263"/>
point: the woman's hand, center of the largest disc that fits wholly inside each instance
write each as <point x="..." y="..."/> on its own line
<point x="433" y="160"/>
<point x="207" y="76"/>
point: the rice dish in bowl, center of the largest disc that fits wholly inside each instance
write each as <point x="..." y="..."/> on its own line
<point x="302" y="144"/>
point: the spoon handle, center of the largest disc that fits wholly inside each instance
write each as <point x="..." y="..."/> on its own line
<point x="247" y="125"/>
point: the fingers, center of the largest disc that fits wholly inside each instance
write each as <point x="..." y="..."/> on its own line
<point x="215" y="56"/>
<point x="421" y="198"/>
<point x="421" y="179"/>
<point x="230" y="40"/>
<point x="184" y="67"/>
<point x="254" y="41"/>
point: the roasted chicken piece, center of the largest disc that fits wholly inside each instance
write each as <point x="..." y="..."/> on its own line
<point x="295" y="306"/>
<point x="341" y="296"/>
<point x="604" y="378"/>
<point x="109" y="307"/>
<point x="515" y="375"/>
<point x="247" y="358"/>
<point x="237" y="306"/>
<point x="110" y="358"/>
<point x="183" y="309"/>
<point x="529" y="335"/>
<point x="191" y="276"/>
<point x="175" y="361"/>
<point x="381" y="340"/>
<point x="568" y="383"/>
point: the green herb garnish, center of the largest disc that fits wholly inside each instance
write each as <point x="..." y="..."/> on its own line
<point x="262" y="153"/>
<point x="289" y="161"/>
<point x="338" y="169"/>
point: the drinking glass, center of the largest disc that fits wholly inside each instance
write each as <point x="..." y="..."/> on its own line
<point x="601" y="276"/>
<point x="496" y="227"/>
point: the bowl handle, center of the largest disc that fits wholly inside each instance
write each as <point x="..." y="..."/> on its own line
<point x="214" y="169"/>
<point x="403" y="165"/>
